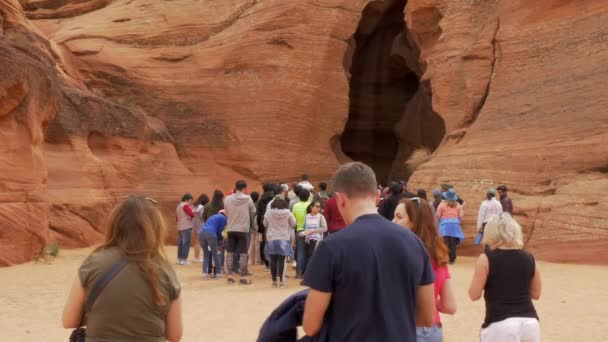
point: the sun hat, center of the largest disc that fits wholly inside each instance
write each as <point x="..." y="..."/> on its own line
<point x="450" y="195"/>
<point x="436" y="193"/>
<point x="492" y="191"/>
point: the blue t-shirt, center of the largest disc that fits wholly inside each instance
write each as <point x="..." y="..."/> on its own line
<point x="373" y="269"/>
<point x="215" y="224"/>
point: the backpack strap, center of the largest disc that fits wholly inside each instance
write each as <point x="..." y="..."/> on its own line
<point x="103" y="281"/>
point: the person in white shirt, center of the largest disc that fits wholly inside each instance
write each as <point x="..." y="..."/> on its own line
<point x="306" y="184"/>
<point x="489" y="207"/>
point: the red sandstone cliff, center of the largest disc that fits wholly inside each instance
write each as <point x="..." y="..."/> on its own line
<point x="102" y="99"/>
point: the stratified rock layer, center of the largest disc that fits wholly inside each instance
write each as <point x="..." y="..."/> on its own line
<point x="104" y="99"/>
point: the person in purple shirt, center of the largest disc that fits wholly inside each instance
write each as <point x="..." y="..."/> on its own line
<point x="505" y="200"/>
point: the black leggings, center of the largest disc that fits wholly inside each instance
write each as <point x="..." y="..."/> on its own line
<point x="451" y="242"/>
<point x="277" y="267"/>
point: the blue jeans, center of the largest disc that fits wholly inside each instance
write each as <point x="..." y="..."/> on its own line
<point x="183" y="243"/>
<point x="429" y="334"/>
<point x="209" y="241"/>
<point x="300" y="255"/>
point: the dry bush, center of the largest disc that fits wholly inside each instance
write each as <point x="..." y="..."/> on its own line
<point x="418" y="157"/>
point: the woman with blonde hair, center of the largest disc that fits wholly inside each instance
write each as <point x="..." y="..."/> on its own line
<point x="509" y="279"/>
<point x="416" y="214"/>
<point x="139" y="296"/>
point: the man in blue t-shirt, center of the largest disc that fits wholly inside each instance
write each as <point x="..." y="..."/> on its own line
<point x="372" y="281"/>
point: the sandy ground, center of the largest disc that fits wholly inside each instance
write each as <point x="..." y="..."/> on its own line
<point x="573" y="306"/>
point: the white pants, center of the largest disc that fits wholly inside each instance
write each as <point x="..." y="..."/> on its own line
<point x="516" y="329"/>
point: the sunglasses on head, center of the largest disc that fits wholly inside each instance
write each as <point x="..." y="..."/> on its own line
<point x="146" y="198"/>
<point x="417" y="200"/>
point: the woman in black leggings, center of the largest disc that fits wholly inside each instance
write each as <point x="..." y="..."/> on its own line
<point x="278" y="222"/>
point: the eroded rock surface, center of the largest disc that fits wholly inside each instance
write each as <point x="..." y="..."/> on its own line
<point x="114" y="98"/>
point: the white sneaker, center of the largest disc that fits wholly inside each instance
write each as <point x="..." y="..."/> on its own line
<point x="197" y="261"/>
<point x="186" y="262"/>
<point x="179" y="262"/>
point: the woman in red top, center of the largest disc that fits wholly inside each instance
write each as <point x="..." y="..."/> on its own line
<point x="416" y="214"/>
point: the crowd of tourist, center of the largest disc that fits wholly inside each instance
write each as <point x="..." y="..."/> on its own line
<point x="375" y="260"/>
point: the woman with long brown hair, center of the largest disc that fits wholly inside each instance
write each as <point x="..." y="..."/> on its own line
<point x="143" y="299"/>
<point x="416" y="214"/>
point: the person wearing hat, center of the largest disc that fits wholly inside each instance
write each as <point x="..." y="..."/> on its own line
<point x="489" y="207"/>
<point x="445" y="187"/>
<point x="450" y="213"/>
<point x="505" y="200"/>
<point x="209" y="235"/>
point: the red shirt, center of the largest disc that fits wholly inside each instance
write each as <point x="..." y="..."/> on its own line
<point x="442" y="273"/>
<point x="333" y="216"/>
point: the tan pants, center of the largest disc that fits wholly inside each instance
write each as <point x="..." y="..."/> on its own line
<point x="254" y="249"/>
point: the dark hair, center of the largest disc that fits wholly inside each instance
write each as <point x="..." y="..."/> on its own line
<point x="217" y="199"/>
<point x="187" y="197"/>
<point x="490" y="195"/>
<point x="425" y="227"/>
<point x="297" y="190"/>
<point x="502" y="188"/>
<point x="255" y="196"/>
<point x="323" y="186"/>
<point x="312" y="204"/>
<point x="240" y="185"/>
<point x="202" y="199"/>
<point x="278" y="203"/>
<point x="276" y="188"/>
<point x="421" y="193"/>
<point x="304" y="177"/>
<point x="396" y="188"/>
<point x="304" y="195"/>
<point x="267" y="187"/>
<point x="355" y="179"/>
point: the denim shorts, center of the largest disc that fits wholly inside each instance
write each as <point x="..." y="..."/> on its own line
<point x="429" y="334"/>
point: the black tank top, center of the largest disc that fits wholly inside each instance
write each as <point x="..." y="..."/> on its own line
<point x="507" y="291"/>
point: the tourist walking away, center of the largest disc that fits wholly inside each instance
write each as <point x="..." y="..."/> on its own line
<point x="126" y="288"/>
<point x="292" y="193"/>
<point x="488" y="208"/>
<point x="197" y="224"/>
<point x="184" y="216"/>
<point x="505" y="200"/>
<point x="213" y="208"/>
<point x="314" y="227"/>
<point x="240" y="211"/>
<point x="209" y="236"/>
<point x="372" y="281"/>
<point x="445" y="187"/>
<point x="509" y="279"/>
<point x="416" y="214"/>
<point x="388" y="205"/>
<point x="253" y="244"/>
<point x="279" y="221"/>
<point x="305" y="184"/>
<point x="323" y="195"/>
<point x="296" y="200"/>
<point x="262" y="207"/>
<point x="332" y="215"/>
<point x="299" y="212"/>
<point x="437" y="198"/>
<point x="449" y="214"/>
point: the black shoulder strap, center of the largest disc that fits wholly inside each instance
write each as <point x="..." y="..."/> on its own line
<point x="105" y="279"/>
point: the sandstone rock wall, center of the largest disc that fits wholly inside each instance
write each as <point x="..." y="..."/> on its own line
<point x="113" y="98"/>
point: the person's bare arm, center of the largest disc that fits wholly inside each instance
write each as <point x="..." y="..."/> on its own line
<point x="535" y="285"/>
<point x="425" y="306"/>
<point x="74" y="307"/>
<point x="173" y="322"/>
<point x="447" y="300"/>
<point x="480" y="276"/>
<point x="317" y="303"/>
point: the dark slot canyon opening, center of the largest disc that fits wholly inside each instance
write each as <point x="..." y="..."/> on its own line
<point x="390" y="112"/>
